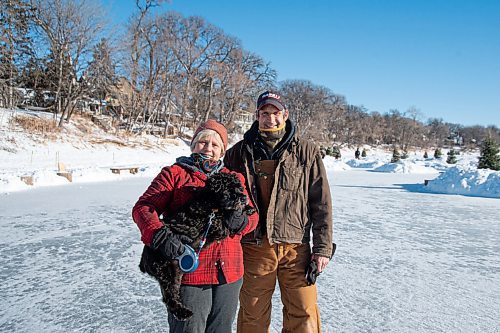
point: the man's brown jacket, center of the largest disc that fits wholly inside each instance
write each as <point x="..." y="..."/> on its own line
<point x="300" y="198"/>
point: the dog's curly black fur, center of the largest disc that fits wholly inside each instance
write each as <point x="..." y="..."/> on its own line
<point x="223" y="192"/>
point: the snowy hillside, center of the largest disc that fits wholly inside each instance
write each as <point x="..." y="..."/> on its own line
<point x="84" y="149"/>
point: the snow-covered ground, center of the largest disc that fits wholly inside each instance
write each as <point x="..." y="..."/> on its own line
<point x="409" y="259"/>
<point x="87" y="152"/>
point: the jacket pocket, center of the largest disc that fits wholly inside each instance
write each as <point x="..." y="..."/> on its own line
<point x="290" y="177"/>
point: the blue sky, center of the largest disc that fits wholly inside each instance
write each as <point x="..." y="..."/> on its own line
<point x="441" y="57"/>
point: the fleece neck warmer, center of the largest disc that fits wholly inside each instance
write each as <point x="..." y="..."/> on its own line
<point x="200" y="162"/>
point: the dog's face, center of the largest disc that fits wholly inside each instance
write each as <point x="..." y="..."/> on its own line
<point x="226" y="191"/>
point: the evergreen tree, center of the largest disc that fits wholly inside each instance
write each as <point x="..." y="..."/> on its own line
<point x="489" y="158"/>
<point x="322" y="151"/>
<point x="426" y="155"/>
<point x="34" y="74"/>
<point x="452" y="159"/>
<point x="363" y="153"/>
<point x="101" y="74"/>
<point x="396" y="156"/>
<point x="438" y="153"/>
<point x="54" y="72"/>
<point x="16" y="46"/>
<point x="336" y="152"/>
<point x="405" y="154"/>
<point x="329" y="151"/>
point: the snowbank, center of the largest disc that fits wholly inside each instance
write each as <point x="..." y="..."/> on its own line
<point x="365" y="164"/>
<point x="335" y="165"/>
<point x="405" y="166"/>
<point x="467" y="181"/>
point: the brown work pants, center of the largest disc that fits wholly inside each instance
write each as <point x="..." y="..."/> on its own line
<point x="287" y="263"/>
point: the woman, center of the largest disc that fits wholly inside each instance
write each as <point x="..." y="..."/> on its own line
<point x="212" y="289"/>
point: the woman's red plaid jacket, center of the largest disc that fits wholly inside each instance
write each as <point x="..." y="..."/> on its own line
<point x="173" y="187"/>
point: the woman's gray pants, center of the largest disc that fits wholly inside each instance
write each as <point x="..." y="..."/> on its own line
<point x="214" y="308"/>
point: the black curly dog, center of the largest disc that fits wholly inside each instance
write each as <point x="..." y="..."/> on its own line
<point x="222" y="192"/>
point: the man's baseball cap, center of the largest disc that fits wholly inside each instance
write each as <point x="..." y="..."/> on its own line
<point x="272" y="98"/>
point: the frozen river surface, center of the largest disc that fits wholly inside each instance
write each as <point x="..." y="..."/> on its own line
<point x="406" y="261"/>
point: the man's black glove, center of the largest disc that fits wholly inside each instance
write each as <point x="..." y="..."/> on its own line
<point x="236" y="221"/>
<point x="169" y="244"/>
<point x="312" y="273"/>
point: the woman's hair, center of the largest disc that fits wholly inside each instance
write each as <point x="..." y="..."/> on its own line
<point x="208" y="133"/>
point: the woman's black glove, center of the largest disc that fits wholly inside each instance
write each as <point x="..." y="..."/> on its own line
<point x="169" y="244"/>
<point x="236" y="221"/>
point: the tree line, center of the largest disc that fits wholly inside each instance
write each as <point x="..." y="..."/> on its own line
<point x="164" y="69"/>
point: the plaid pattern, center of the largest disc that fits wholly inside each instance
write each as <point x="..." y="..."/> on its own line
<point x="173" y="187"/>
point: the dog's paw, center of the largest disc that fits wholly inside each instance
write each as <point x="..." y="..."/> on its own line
<point x="182" y="313"/>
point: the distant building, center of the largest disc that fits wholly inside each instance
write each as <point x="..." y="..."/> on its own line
<point x="243" y="120"/>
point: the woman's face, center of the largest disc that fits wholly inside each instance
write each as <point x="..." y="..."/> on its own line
<point x="208" y="146"/>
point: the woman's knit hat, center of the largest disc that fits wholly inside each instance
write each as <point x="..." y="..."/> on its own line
<point x="214" y="126"/>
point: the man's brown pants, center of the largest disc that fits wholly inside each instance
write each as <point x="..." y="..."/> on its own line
<point x="287" y="263"/>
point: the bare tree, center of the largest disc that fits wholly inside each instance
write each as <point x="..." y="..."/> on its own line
<point x="197" y="45"/>
<point x="438" y="131"/>
<point x="241" y="77"/>
<point x="140" y="51"/>
<point x="311" y="107"/>
<point x="192" y="68"/>
<point x="70" y="29"/>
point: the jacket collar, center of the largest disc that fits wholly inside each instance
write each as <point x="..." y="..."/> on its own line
<point x="252" y="139"/>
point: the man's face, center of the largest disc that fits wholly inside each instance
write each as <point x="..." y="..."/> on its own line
<point x="270" y="117"/>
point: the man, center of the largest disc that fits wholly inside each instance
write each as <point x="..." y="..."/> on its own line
<point x="287" y="182"/>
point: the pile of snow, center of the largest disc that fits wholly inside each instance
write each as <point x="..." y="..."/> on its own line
<point x="335" y="165"/>
<point x="364" y="164"/>
<point x="467" y="181"/>
<point x="461" y="178"/>
<point x="405" y="166"/>
<point x="467" y="160"/>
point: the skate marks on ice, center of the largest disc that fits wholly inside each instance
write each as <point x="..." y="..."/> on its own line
<point x="71" y="265"/>
<point x="410" y="261"/>
<point x="406" y="261"/>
